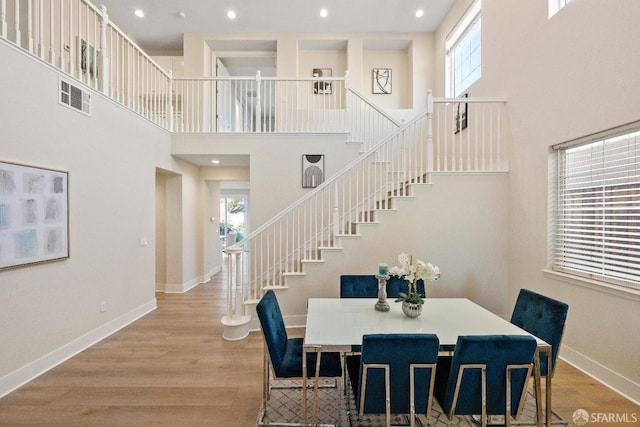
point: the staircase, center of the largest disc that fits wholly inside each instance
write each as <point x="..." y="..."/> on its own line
<point x="302" y="237"/>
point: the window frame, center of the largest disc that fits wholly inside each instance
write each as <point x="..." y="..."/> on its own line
<point x="453" y="43"/>
<point x="559" y="251"/>
<point x="556" y="6"/>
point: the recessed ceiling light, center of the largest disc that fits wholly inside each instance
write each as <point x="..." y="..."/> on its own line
<point x="324" y="13"/>
<point x="419" y="13"/>
<point x="231" y="14"/>
<point x="139" y="13"/>
<point x="215" y="162"/>
<point x="182" y="14"/>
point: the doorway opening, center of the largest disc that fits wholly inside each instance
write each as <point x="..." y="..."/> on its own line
<point x="233" y="219"/>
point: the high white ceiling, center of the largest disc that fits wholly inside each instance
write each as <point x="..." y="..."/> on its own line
<point x="165" y="21"/>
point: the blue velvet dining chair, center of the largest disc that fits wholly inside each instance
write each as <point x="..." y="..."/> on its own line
<point x="366" y="286"/>
<point x="543" y="317"/>
<point x="395" y="374"/>
<point x="487" y="375"/>
<point x="284" y="353"/>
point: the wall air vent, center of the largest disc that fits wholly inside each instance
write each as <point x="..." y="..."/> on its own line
<point x="74" y="97"/>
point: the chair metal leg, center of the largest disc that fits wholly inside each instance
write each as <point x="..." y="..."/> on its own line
<point x="387" y="388"/>
<point x="412" y="368"/>
<point x="537" y="385"/>
<point x="456" y="391"/>
<point x="507" y="412"/>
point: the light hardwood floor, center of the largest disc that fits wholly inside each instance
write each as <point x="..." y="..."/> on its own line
<point x="172" y="368"/>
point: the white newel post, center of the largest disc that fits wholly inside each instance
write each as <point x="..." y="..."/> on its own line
<point x="429" y="131"/>
<point x="236" y="322"/>
<point x="104" y="61"/>
<point x="258" y="111"/>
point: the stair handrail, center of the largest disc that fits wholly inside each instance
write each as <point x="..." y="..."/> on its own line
<point x="326" y="183"/>
<point x="374" y="106"/>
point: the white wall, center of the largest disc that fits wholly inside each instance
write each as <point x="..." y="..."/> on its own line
<point x="401" y="73"/>
<point x="564" y="77"/>
<point x="48" y="312"/>
<point x="275" y="173"/>
<point x="292" y="61"/>
<point x="456" y="224"/>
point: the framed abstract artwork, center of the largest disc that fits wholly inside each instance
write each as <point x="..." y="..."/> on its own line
<point x="34" y="215"/>
<point x="88" y="59"/>
<point x="322" y="87"/>
<point x="381" y="79"/>
<point x="462" y="115"/>
<point x="312" y="170"/>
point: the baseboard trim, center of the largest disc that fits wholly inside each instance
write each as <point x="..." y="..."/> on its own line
<point x="602" y="374"/>
<point x="181" y="288"/>
<point x="23" y="375"/>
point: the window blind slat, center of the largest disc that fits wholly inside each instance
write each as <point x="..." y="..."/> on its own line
<point x="597" y="209"/>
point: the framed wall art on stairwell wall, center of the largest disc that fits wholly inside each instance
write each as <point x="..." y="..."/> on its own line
<point x="321" y="87"/>
<point x="462" y="115"/>
<point x="312" y="170"/>
<point x="381" y="81"/>
<point x="34" y="215"/>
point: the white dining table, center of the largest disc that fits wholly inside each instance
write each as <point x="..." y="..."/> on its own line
<point x="336" y="324"/>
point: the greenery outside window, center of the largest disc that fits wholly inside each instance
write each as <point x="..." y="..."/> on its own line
<point x="596" y="208"/>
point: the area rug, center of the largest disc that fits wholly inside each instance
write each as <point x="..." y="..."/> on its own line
<point x="337" y="408"/>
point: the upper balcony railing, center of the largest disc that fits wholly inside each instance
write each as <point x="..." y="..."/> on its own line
<point x="453" y="135"/>
<point x="77" y="38"/>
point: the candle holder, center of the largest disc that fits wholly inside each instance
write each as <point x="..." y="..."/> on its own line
<point x="383" y="270"/>
<point x="382" y="304"/>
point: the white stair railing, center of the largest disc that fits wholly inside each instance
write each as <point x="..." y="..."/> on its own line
<point x="78" y="38"/>
<point x="259" y="104"/>
<point x="331" y="212"/>
<point x="368" y="123"/>
<point x="469" y="135"/>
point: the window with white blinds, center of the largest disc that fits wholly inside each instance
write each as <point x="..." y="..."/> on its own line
<point x="597" y="208"/>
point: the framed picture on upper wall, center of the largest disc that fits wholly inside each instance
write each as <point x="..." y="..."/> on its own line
<point x="34" y="215"/>
<point x="312" y="170"/>
<point x="462" y="115"/>
<point x="381" y="79"/>
<point x="322" y="87"/>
